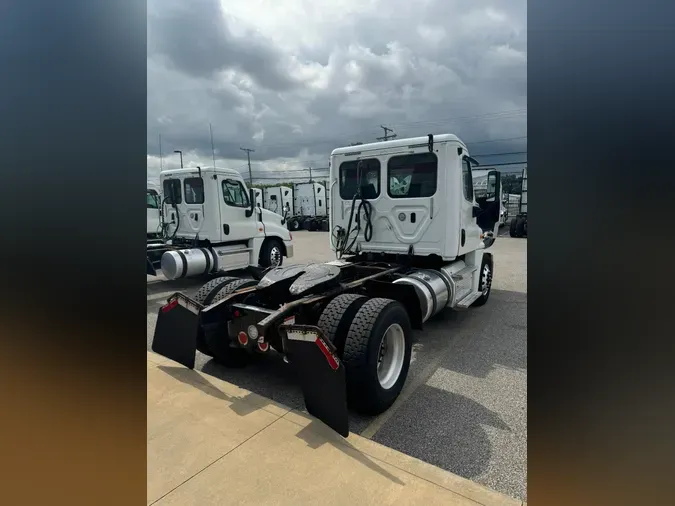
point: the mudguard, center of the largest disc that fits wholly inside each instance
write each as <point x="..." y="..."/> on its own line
<point x="177" y="330"/>
<point x="321" y="374"/>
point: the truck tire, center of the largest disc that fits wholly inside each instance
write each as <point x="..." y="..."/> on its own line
<point x="271" y="253"/>
<point x="513" y="227"/>
<point x="375" y="376"/>
<point x="485" y="282"/>
<point x="337" y="317"/>
<point x="520" y="227"/>
<point x="216" y="339"/>
<point x="293" y="224"/>
<point x="206" y="292"/>
<point x="204" y="296"/>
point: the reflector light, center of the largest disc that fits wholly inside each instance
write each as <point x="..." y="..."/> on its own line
<point x="170" y="306"/>
<point x="327" y="353"/>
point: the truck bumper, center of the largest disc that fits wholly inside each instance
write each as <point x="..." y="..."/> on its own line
<point x="289" y="249"/>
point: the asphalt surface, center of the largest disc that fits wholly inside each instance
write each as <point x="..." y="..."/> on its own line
<point x="464" y="406"/>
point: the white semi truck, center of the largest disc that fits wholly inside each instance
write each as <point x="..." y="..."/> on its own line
<point x="411" y="239"/>
<point x="211" y="224"/>
<point x="279" y="200"/>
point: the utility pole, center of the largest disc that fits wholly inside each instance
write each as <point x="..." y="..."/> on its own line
<point x="387" y="136"/>
<point x="310" y="174"/>
<point x="248" y="156"/>
<point x="181" y="156"/>
<point x="161" y="167"/>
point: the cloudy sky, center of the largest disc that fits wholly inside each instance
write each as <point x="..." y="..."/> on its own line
<point x="294" y="79"/>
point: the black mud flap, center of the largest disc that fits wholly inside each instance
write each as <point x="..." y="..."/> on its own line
<point x="321" y="372"/>
<point x="177" y="330"/>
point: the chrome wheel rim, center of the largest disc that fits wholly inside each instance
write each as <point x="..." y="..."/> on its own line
<point x="275" y="256"/>
<point x="486" y="279"/>
<point x="390" y="356"/>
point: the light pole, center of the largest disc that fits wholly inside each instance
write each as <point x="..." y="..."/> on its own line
<point x="181" y="156"/>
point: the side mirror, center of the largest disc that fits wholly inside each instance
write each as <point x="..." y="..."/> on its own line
<point x="251" y="201"/>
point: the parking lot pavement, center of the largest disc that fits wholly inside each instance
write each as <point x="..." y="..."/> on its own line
<point x="464" y="406"/>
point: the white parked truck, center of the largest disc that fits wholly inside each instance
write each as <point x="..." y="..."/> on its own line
<point x="310" y="207"/>
<point x="279" y="200"/>
<point x="411" y="240"/>
<point x="212" y="224"/>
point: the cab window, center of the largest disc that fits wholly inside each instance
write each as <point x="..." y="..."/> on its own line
<point x="467" y="180"/>
<point x="235" y="194"/>
<point x="172" y="189"/>
<point x="194" y="190"/>
<point x="369" y="180"/>
<point x="412" y="176"/>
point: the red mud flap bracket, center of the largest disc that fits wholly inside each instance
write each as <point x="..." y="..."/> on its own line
<point x="177" y="330"/>
<point x="321" y="374"/>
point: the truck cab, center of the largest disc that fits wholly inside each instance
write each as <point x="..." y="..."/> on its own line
<point x="413" y="197"/>
<point x="214" y="208"/>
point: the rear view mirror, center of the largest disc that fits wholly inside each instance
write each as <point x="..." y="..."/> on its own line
<point x="251" y="202"/>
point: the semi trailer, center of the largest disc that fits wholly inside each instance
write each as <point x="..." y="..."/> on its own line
<point x="212" y="223"/>
<point x="310" y="207"/>
<point x="279" y="200"/>
<point x="404" y="253"/>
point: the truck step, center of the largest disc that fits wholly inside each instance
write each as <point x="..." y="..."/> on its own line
<point x="465" y="273"/>
<point x="468" y="300"/>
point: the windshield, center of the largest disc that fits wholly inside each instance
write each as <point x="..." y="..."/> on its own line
<point x="152" y="199"/>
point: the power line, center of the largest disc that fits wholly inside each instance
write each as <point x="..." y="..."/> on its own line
<point x="365" y="133"/>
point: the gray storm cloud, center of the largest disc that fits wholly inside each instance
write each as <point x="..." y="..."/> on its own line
<point x="331" y="75"/>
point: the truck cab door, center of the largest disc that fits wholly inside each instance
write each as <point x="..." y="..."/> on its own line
<point x="490" y="204"/>
<point x="236" y="223"/>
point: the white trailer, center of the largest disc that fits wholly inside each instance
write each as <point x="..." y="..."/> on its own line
<point x="310" y="206"/>
<point x="279" y="199"/>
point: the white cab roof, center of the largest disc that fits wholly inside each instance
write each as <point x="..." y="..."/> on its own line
<point x="397" y="143"/>
<point x="207" y="170"/>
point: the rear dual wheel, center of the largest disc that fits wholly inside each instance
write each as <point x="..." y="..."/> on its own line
<point x="374" y="340"/>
